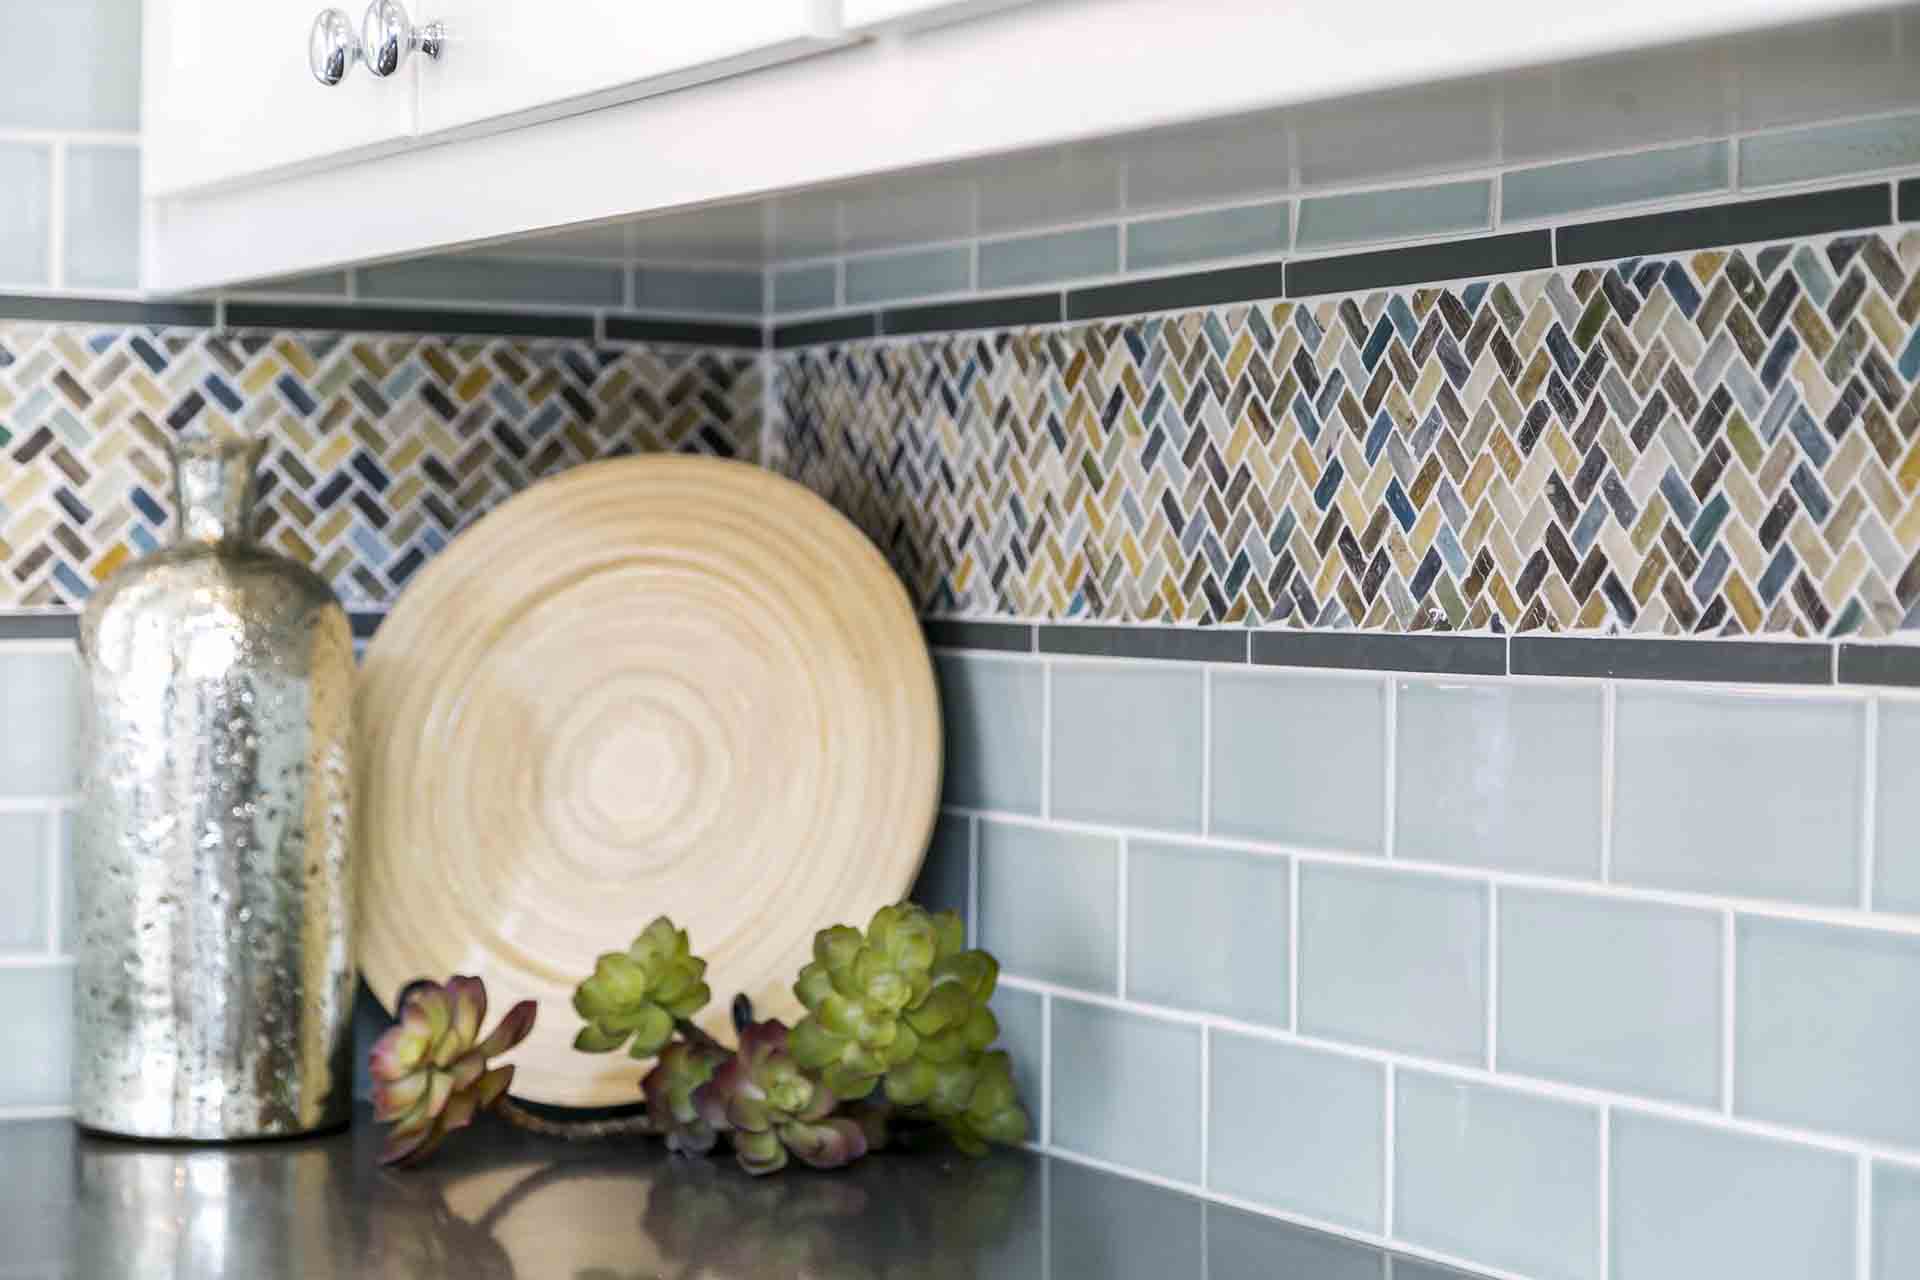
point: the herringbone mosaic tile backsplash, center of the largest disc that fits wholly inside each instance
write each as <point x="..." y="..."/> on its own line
<point x="384" y="447"/>
<point x="1721" y="442"/>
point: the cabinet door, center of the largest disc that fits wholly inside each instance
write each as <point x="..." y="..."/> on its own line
<point x="916" y="13"/>
<point x="534" y="58"/>
<point x="227" y="95"/>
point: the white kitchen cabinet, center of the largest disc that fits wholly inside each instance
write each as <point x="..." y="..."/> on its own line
<point x="862" y="14"/>
<point x="538" y="58"/>
<point x="226" y="95"/>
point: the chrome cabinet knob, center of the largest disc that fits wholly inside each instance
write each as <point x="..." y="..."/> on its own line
<point x="387" y="37"/>
<point x="332" y="47"/>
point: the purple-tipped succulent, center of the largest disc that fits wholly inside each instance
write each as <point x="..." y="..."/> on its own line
<point x="680" y="1071"/>
<point x="430" y="1073"/>
<point x="770" y="1108"/>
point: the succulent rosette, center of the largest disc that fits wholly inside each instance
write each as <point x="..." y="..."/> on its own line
<point x="770" y="1108"/>
<point x="682" y="1068"/>
<point x="430" y="1073"/>
<point x="635" y="996"/>
<point x="905" y="1002"/>
<point x="991" y="1110"/>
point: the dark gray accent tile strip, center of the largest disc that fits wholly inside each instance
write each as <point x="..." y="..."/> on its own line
<point x="957" y="633"/>
<point x="1910" y="200"/>
<point x="810" y="333"/>
<point x="511" y="324"/>
<point x="1709" y="661"/>
<point x="365" y="624"/>
<point x="19" y="306"/>
<point x="39" y="626"/>
<point x="987" y="313"/>
<point x="1777" y="218"/>
<point x="1179" y="644"/>
<point x="702" y="333"/>
<point x="1421" y="264"/>
<point x="1170" y="293"/>
<point x="1432" y="653"/>
<point x="1896" y="664"/>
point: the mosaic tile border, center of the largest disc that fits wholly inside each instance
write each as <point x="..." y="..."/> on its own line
<point x="1720" y="442"/>
<point x="385" y="446"/>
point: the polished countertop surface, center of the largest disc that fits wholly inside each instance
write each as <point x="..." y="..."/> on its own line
<point x="501" y="1203"/>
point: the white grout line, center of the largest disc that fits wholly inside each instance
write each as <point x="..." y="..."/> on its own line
<point x="1206" y="749"/>
<point x="1606" y="1191"/>
<point x="1493" y="977"/>
<point x="1046" y="1067"/>
<point x="1120" y="920"/>
<point x="39" y="804"/>
<point x="1728" y="993"/>
<point x="1870" y="816"/>
<point x="1206" y="1105"/>
<point x="1609" y="713"/>
<point x="57" y="215"/>
<point x="59" y="1111"/>
<point x="973" y="882"/>
<point x="1390" y="1159"/>
<point x="1389" y="808"/>
<point x="1534" y="1086"/>
<point x="1863" y="1218"/>
<point x="1847" y="917"/>
<point x="31" y="961"/>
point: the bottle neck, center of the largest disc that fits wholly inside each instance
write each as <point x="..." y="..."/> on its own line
<point x="213" y="482"/>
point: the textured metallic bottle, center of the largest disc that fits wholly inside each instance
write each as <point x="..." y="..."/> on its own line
<point x="214" y="990"/>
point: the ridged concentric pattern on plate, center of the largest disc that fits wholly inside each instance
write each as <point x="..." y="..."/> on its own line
<point x="650" y="685"/>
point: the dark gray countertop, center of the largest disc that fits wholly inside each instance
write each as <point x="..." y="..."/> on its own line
<point x="502" y="1203"/>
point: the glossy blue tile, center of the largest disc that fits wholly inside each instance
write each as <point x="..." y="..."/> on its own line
<point x="1554" y="189"/>
<point x="1896" y="1222"/>
<point x="1157" y="243"/>
<point x="40" y="711"/>
<point x="1896" y="863"/>
<point x="805" y="288"/>
<point x="1056" y="255"/>
<point x="1395" y="960"/>
<point x="1610" y="994"/>
<point x="103" y="217"/>
<point x="464" y="278"/>
<point x="1689" y="1201"/>
<point x="1829" y="149"/>
<point x="1105" y="1062"/>
<point x="919" y="274"/>
<point x="23" y="871"/>
<point x="38" y="1004"/>
<point x="1827" y="1028"/>
<point x="1499" y="1177"/>
<point x="1049" y="904"/>
<point x="1397" y="214"/>
<point x="1299" y="1129"/>
<point x="1500" y="775"/>
<point x="1127" y="744"/>
<point x="83" y="68"/>
<point x="1237" y="964"/>
<point x="942" y="883"/>
<point x="993" y="713"/>
<point x="699" y="291"/>
<point x="1023" y="1018"/>
<point x="1300" y="759"/>
<point x="26" y="214"/>
<point x="1739" y="794"/>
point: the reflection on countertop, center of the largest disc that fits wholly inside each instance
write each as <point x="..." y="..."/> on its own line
<point x="504" y="1204"/>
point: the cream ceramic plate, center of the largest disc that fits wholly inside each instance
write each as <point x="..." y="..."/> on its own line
<point x="650" y="685"/>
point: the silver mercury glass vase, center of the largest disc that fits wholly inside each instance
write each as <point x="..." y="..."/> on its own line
<point x="213" y="994"/>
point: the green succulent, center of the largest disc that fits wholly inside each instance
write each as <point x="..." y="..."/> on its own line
<point x="681" y="1069"/>
<point x="430" y="1074"/>
<point x="905" y="1002"/>
<point x="991" y="1110"/>
<point x="635" y="996"/>
<point x="770" y="1108"/>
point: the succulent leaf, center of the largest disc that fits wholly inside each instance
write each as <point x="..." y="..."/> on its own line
<point x="769" y="1105"/>
<point x="430" y="1073"/>
<point x="635" y="996"/>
